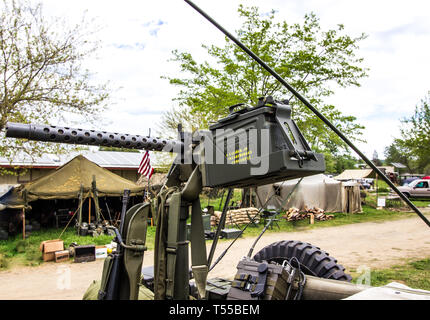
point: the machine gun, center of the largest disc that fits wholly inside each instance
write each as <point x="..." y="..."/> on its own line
<point x="228" y="155"/>
<point x="252" y="146"/>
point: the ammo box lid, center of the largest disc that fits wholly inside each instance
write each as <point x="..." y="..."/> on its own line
<point x="242" y="115"/>
<point x="51" y="246"/>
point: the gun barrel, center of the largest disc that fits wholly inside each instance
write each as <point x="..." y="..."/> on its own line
<point x="89" y="137"/>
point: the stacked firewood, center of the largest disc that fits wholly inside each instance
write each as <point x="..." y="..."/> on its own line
<point x="294" y="214"/>
<point x="236" y="217"/>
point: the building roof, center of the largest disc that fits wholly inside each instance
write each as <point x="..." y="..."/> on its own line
<point x="355" y="174"/>
<point x="398" y="165"/>
<point x="105" y="159"/>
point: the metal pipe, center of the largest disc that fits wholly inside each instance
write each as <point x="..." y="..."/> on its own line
<point x="220" y="225"/>
<point x="314" y="110"/>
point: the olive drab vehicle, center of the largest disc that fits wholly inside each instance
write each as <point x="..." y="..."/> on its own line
<point x="252" y="146"/>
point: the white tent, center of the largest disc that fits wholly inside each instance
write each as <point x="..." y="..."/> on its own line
<point x="314" y="191"/>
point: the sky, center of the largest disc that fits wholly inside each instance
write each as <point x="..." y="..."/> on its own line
<point x="137" y="38"/>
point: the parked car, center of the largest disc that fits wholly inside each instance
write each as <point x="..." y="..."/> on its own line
<point x="365" y="183"/>
<point x="416" y="189"/>
<point x="407" y="181"/>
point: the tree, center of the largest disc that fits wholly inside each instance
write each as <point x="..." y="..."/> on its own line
<point x="414" y="144"/>
<point x="336" y="164"/>
<point x="41" y="73"/>
<point x="397" y="152"/>
<point x="310" y="59"/>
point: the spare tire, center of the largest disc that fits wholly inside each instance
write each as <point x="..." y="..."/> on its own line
<point x="313" y="261"/>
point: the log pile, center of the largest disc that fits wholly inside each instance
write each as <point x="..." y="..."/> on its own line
<point x="237" y="216"/>
<point x="294" y="214"/>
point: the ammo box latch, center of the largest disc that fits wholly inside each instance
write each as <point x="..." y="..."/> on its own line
<point x="254" y="284"/>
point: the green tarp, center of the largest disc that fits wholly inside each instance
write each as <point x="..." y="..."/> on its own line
<point x="65" y="183"/>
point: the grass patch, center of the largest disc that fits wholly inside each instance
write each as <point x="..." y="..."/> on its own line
<point x="415" y="274"/>
<point x="26" y="252"/>
<point x="421" y="203"/>
<point x="17" y="251"/>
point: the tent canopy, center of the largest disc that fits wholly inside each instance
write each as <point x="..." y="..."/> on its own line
<point x="65" y="183"/>
<point x="355" y="174"/>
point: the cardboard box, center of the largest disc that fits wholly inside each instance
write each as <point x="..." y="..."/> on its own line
<point x="101" y="252"/>
<point x="61" y="256"/>
<point x="49" y="247"/>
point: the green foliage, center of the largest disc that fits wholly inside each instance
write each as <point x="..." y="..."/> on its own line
<point x="337" y="163"/>
<point x="310" y="59"/>
<point x="41" y="73"/>
<point x="413" y="148"/>
<point x="397" y="152"/>
<point x="416" y="133"/>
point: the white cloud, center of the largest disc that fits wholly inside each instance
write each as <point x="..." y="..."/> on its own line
<point x="138" y="37"/>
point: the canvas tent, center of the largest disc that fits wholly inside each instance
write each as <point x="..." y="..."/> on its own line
<point x="355" y="174"/>
<point x="313" y="191"/>
<point x="65" y="183"/>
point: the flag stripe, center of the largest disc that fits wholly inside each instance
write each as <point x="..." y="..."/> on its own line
<point x="145" y="167"/>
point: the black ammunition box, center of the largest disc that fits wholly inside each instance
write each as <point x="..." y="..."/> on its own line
<point x="260" y="145"/>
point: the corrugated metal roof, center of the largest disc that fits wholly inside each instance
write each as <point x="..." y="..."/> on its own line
<point x="105" y="159"/>
<point x="398" y="165"/>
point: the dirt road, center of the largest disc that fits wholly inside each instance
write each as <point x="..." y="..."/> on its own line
<point x="375" y="245"/>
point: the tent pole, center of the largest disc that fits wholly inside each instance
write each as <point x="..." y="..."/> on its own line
<point x="376" y="191"/>
<point x="96" y="199"/>
<point x="23" y="223"/>
<point x="89" y="209"/>
<point x="23" y="214"/>
<point x="81" y="195"/>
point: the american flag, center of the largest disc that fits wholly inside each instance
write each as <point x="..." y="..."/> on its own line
<point x="145" y="166"/>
